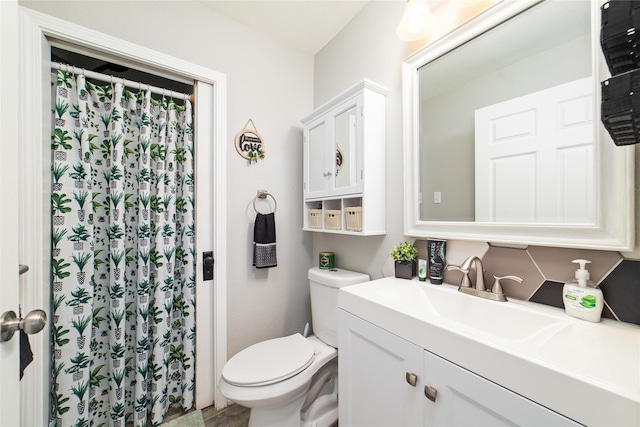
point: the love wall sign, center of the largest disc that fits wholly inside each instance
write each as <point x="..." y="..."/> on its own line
<point x="249" y="143"/>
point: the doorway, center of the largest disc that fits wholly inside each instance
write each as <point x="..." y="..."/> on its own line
<point x="38" y="33"/>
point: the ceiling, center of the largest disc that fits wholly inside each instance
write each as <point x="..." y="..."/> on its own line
<point x="303" y="24"/>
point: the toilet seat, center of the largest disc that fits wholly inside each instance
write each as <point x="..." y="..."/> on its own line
<point x="269" y="362"/>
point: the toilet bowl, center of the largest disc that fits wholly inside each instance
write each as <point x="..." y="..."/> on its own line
<point x="277" y="397"/>
<point x="293" y="380"/>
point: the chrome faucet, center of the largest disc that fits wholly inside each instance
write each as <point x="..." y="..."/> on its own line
<point x="496" y="293"/>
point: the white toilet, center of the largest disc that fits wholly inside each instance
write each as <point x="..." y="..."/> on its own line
<point x="293" y="381"/>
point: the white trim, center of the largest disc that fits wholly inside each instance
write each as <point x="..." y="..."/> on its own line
<point x="35" y="30"/>
<point x="9" y="170"/>
<point x="614" y="229"/>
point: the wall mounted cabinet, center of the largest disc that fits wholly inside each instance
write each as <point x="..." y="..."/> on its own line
<point x="344" y="166"/>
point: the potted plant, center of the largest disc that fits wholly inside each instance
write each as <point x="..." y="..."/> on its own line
<point x="405" y="255"/>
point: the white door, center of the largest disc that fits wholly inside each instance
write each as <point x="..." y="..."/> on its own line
<point x="519" y="141"/>
<point x="9" y="291"/>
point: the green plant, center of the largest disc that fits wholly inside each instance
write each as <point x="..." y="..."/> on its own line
<point x="81" y="198"/>
<point x="78" y="172"/>
<point x="58" y="234"/>
<point x="58" y="171"/>
<point x="80" y="234"/>
<point x="64" y="79"/>
<point x="61" y="138"/>
<point x="404" y="252"/>
<point x="61" y="108"/>
<point x="81" y="260"/>
<point x="58" y="202"/>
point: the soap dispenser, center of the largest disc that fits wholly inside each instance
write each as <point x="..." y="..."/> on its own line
<point x="581" y="298"/>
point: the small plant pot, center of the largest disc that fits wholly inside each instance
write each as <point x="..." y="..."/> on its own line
<point x="405" y="270"/>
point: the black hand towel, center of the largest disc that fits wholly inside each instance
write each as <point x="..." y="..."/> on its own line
<point x="26" y="355"/>
<point x="264" y="241"/>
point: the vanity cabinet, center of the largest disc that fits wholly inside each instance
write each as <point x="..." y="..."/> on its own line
<point x="386" y="380"/>
<point x="344" y="167"/>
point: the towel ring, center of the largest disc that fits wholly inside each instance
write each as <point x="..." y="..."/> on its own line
<point x="262" y="194"/>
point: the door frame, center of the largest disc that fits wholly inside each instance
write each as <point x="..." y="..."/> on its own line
<point x="36" y="29"/>
<point x="9" y="193"/>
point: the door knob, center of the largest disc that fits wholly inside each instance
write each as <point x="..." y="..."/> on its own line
<point x="32" y="324"/>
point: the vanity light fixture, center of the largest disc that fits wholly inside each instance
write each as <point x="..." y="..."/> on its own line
<point x="464" y="3"/>
<point x="417" y="21"/>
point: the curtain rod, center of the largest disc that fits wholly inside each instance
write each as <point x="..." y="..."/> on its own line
<point x="128" y="83"/>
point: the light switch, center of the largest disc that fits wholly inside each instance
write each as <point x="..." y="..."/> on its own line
<point x="437" y="197"/>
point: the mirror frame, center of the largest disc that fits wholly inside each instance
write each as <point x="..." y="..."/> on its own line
<point x="614" y="228"/>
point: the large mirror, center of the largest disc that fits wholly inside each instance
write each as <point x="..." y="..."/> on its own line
<point x="503" y="141"/>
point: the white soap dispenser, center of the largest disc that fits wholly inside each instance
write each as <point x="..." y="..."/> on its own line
<point x="581" y="298"/>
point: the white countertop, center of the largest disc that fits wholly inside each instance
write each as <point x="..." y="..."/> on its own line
<point x="589" y="372"/>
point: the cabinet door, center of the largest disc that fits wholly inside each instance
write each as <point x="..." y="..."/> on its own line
<point x="315" y="167"/>
<point x="466" y="399"/>
<point x="346" y="175"/>
<point x="333" y="152"/>
<point x="373" y="366"/>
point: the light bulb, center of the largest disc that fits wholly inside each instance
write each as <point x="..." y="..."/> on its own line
<point x="416" y="21"/>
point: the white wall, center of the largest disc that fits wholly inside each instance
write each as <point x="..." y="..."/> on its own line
<point x="267" y="82"/>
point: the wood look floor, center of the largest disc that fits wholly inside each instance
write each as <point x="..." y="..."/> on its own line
<point x="231" y="416"/>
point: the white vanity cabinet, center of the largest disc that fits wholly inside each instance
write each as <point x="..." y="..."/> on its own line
<point x="344" y="167"/>
<point x="386" y="380"/>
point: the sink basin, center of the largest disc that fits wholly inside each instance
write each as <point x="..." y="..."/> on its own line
<point x="513" y="320"/>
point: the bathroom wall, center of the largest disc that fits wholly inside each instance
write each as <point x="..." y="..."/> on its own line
<point x="368" y="47"/>
<point x="267" y="82"/>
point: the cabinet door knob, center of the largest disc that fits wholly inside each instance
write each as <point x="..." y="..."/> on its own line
<point x="430" y="392"/>
<point x="411" y="378"/>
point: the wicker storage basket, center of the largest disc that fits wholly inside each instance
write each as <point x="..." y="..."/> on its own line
<point x="354" y="218"/>
<point x="315" y="218"/>
<point x="333" y="220"/>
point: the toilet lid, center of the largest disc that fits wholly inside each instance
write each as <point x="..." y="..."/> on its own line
<point x="269" y="361"/>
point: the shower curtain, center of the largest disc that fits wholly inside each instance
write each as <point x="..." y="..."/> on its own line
<point x="123" y="278"/>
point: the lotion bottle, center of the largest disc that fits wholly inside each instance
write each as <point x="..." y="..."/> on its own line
<point x="581" y="298"/>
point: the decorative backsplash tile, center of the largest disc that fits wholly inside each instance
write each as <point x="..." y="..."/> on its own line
<point x="550" y="293"/>
<point x="545" y="270"/>
<point x="621" y="289"/>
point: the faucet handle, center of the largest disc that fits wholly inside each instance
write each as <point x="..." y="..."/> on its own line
<point x="466" y="282"/>
<point x="497" y="286"/>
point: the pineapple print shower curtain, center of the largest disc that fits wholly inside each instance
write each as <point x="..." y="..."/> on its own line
<point x="123" y="329"/>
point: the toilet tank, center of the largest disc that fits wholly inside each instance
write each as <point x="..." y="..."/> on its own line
<point x="324" y="286"/>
